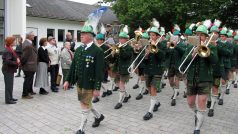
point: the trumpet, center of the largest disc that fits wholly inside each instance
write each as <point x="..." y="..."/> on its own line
<point x="116" y="48"/>
<point x="171" y="45"/>
<point x="201" y="50"/>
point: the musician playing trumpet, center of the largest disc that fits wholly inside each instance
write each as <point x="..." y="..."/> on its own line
<point x="155" y="54"/>
<point x="199" y="75"/>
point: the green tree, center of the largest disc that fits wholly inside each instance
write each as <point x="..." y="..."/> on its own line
<point x="137" y="13"/>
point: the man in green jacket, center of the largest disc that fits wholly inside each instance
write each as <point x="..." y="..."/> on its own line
<point x="235" y="59"/>
<point x="87" y="72"/>
<point x="124" y="58"/>
<point x="226" y="53"/>
<point x="199" y="77"/>
<point x="155" y="54"/>
<point x="174" y="53"/>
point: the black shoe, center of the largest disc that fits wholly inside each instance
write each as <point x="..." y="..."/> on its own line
<point x="227" y="91"/>
<point x="80" y="132"/>
<point x="135" y="86"/>
<point x="54" y="89"/>
<point x="233" y="82"/>
<point x="184" y="94"/>
<point x="173" y="103"/>
<point x="156" y="107"/>
<point x="11" y="102"/>
<point x="235" y="85"/>
<point x="140" y="96"/>
<point x="210" y="113"/>
<point x="220" y="102"/>
<point x="146" y="92"/>
<point x="163" y="85"/>
<point x="97" y="121"/>
<point x="209" y="104"/>
<point x="14" y="99"/>
<point x="104" y="94"/>
<point x="118" y="106"/>
<point x="95" y="100"/>
<point x="126" y="99"/>
<point x="115" y="88"/>
<point x="43" y="92"/>
<point x="148" y="116"/>
<point x="173" y="95"/>
<point x="196" y="132"/>
<point x="109" y="92"/>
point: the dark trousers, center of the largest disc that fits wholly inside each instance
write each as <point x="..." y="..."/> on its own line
<point x="8" y="80"/>
<point x="28" y="83"/>
<point x="54" y="70"/>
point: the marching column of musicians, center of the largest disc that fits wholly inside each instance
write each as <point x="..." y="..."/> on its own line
<point x="204" y="59"/>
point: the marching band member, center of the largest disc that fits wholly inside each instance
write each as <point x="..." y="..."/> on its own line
<point x="100" y="39"/>
<point x="235" y="46"/>
<point x="87" y="71"/>
<point x="174" y="53"/>
<point x="124" y="59"/>
<point x="225" y="56"/>
<point x="141" y="70"/>
<point x="199" y="77"/>
<point x="217" y="67"/>
<point x="154" y="69"/>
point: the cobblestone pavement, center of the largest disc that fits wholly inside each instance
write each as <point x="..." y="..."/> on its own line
<point x="59" y="113"/>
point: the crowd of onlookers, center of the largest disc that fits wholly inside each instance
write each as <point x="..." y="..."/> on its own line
<point x="35" y="62"/>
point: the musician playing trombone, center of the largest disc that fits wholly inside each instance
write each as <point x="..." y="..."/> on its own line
<point x="155" y="54"/>
<point x="174" y="53"/>
<point x="124" y="56"/>
<point x="199" y="75"/>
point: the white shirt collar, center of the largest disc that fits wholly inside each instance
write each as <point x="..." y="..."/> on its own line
<point x="88" y="45"/>
<point x="44" y="47"/>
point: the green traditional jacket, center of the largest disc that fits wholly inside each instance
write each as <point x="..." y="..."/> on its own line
<point x="175" y="55"/>
<point x="154" y="63"/>
<point x="123" y="60"/>
<point x="105" y="48"/>
<point x="201" y="68"/>
<point x="87" y="69"/>
<point x="225" y="52"/>
<point x="234" y="60"/>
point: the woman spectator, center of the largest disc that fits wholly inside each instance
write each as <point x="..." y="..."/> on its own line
<point x="9" y="67"/>
<point x="42" y="68"/>
<point x="66" y="59"/>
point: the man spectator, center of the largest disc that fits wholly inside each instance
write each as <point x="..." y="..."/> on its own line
<point x="54" y="55"/>
<point x="29" y="65"/>
<point x="70" y="39"/>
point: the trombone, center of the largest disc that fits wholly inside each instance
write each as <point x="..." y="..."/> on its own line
<point x="116" y="48"/>
<point x="203" y="51"/>
<point x="152" y="49"/>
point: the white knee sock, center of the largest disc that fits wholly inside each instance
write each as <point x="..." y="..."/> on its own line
<point x="152" y="103"/>
<point x="121" y="96"/>
<point x="200" y="117"/>
<point x="95" y="112"/>
<point x="229" y="84"/>
<point x="214" y="99"/>
<point x="138" y="80"/>
<point x="103" y="87"/>
<point x="142" y="86"/>
<point x="84" y="116"/>
<point x="112" y="83"/>
<point x="223" y="89"/>
<point x="236" y="78"/>
<point x="175" y="93"/>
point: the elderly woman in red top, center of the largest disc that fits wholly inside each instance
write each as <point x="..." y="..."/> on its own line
<point x="9" y="67"/>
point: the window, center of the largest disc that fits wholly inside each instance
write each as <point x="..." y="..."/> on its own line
<point x="72" y="33"/>
<point x="50" y="32"/>
<point x="78" y="36"/>
<point x="60" y="35"/>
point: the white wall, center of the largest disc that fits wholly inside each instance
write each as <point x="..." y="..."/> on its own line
<point x="40" y="25"/>
<point x="15" y="20"/>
